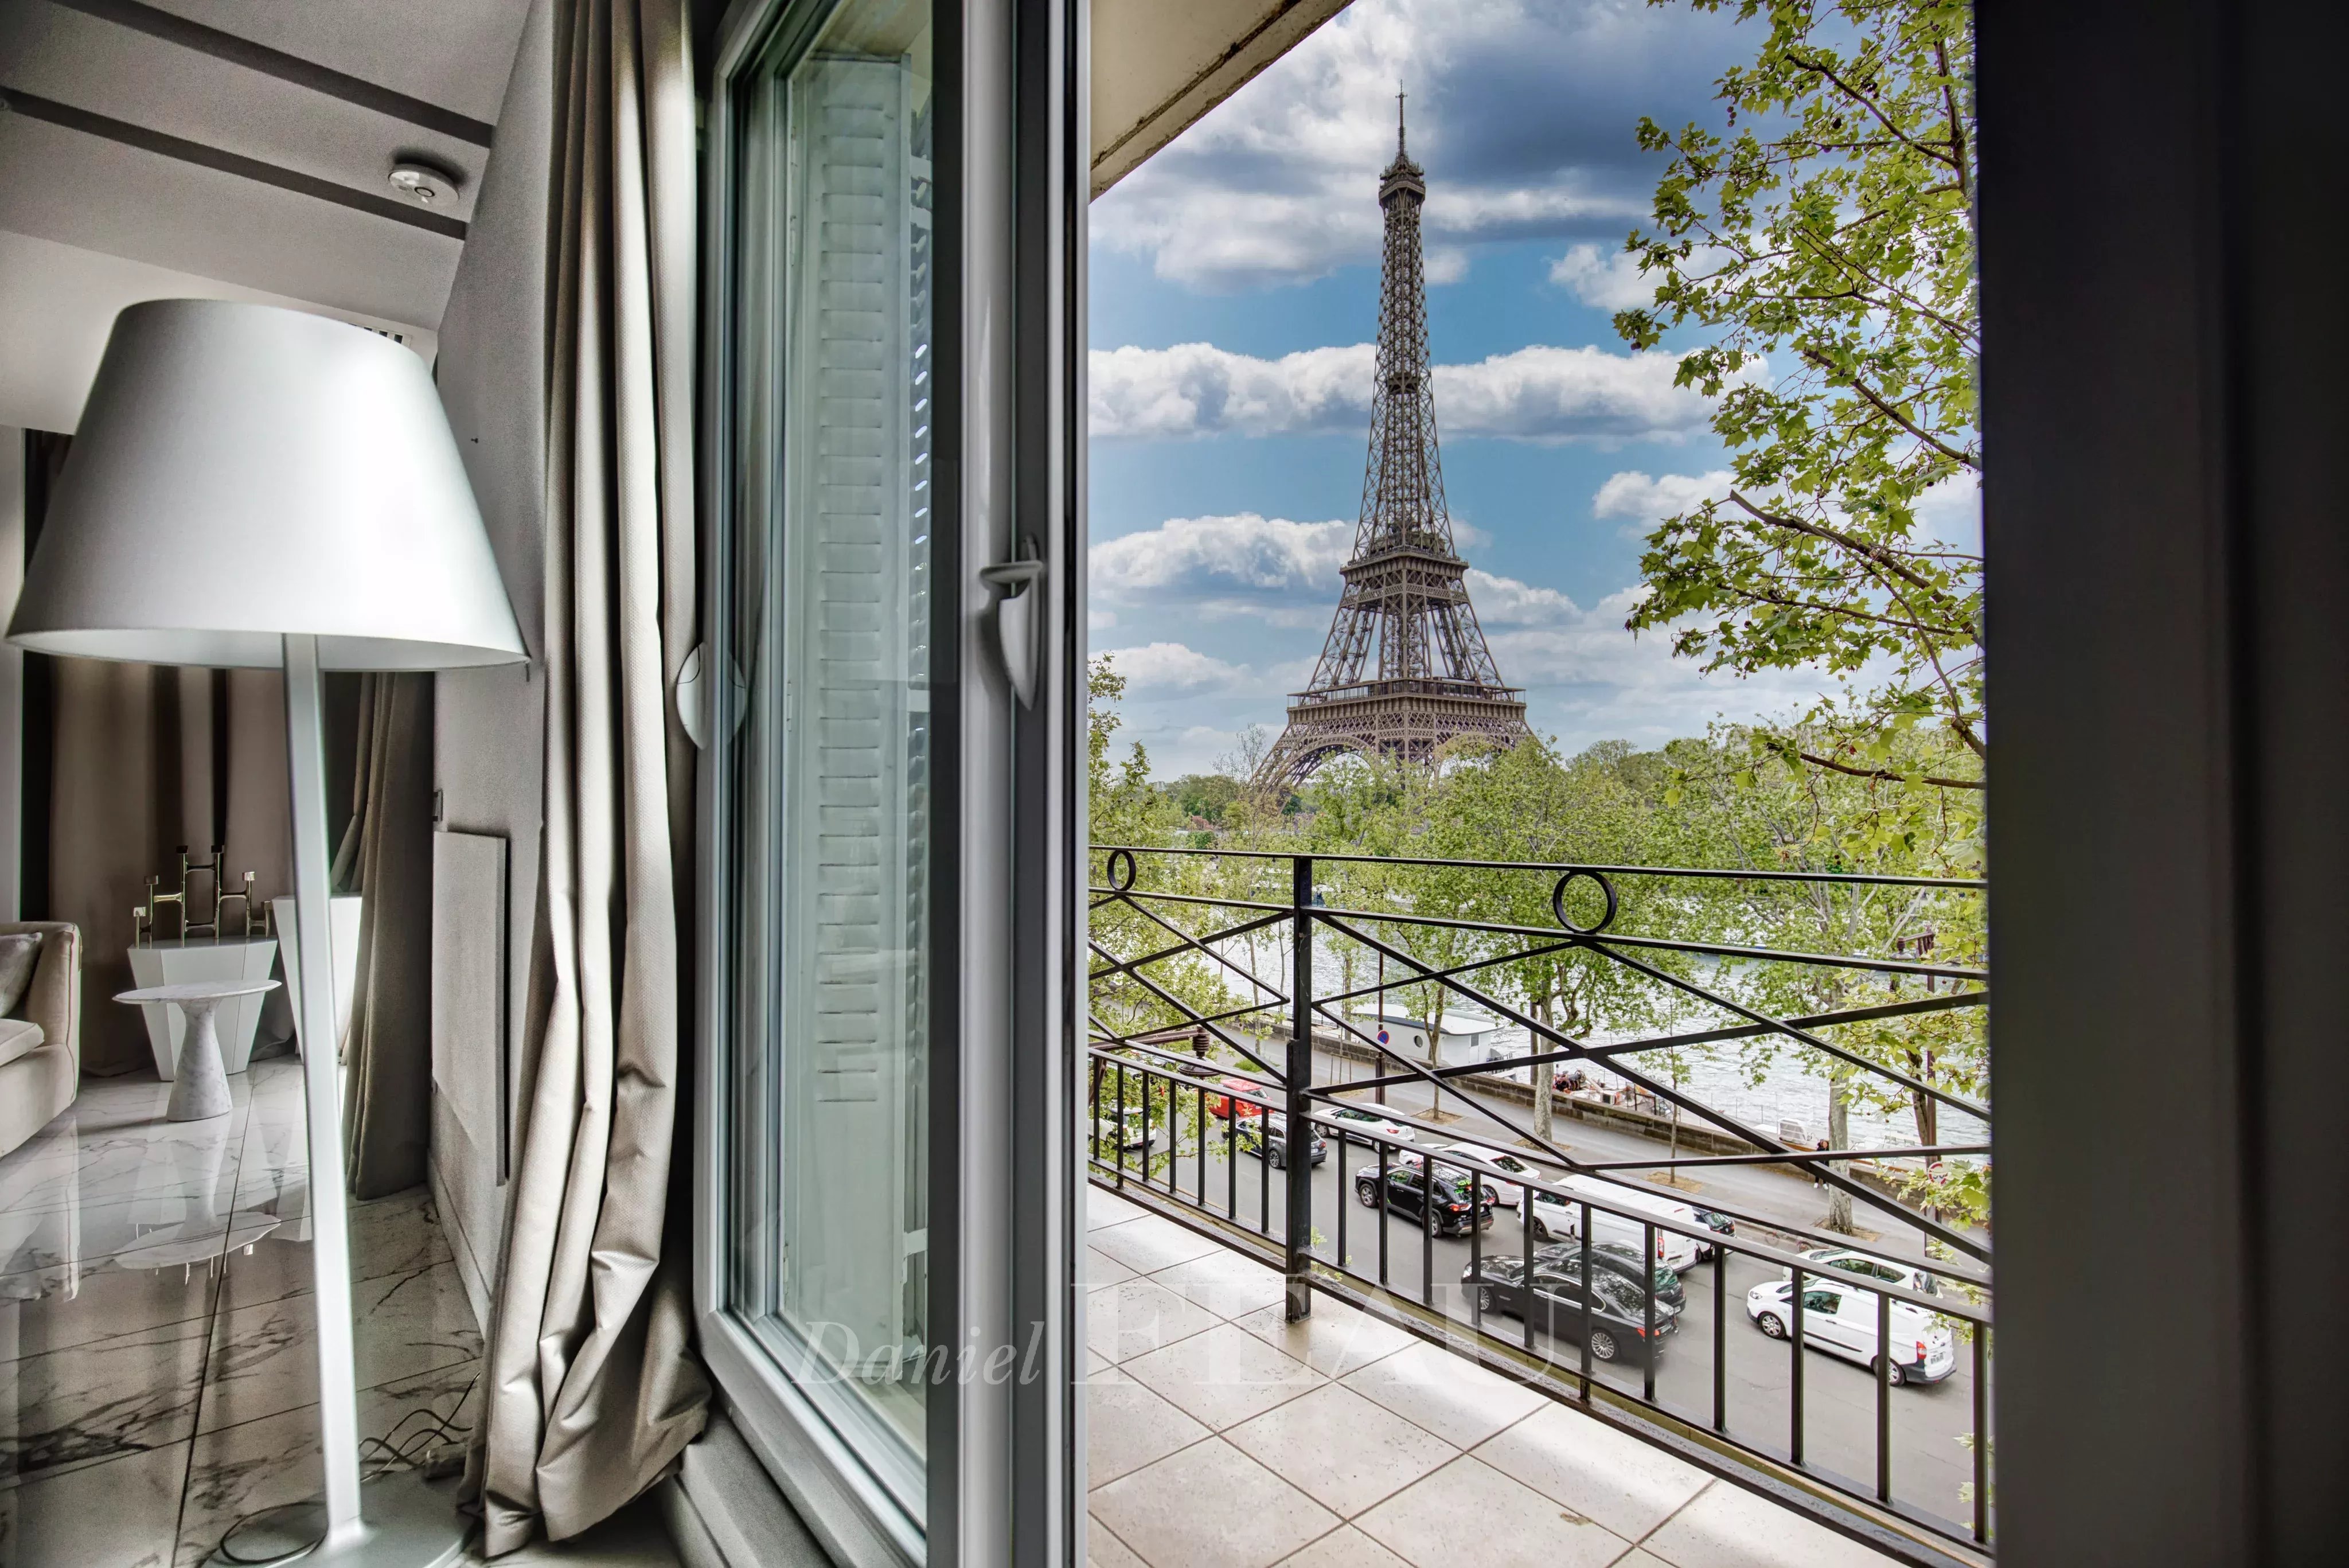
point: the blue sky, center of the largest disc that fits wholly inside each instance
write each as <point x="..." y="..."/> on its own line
<point x="1235" y="295"/>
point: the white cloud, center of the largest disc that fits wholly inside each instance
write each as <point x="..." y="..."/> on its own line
<point x="1589" y="679"/>
<point x="1244" y="549"/>
<point x="1644" y="500"/>
<point x="1538" y="394"/>
<point x="1505" y="601"/>
<point x="1100" y="620"/>
<point x="1173" y="667"/>
<point x="1521" y="111"/>
<point x="1610" y="280"/>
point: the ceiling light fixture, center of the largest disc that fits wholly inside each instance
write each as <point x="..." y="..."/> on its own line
<point x="426" y="184"/>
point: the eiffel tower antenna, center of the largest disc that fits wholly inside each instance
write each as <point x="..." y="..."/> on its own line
<point x="1406" y="667"/>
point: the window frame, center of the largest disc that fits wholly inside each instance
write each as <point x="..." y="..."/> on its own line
<point x="1007" y="923"/>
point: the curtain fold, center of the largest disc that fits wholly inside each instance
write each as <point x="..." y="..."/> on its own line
<point x="593" y="1385"/>
<point x="386" y="856"/>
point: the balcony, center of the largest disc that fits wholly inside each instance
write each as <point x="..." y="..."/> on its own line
<point x="1382" y="1391"/>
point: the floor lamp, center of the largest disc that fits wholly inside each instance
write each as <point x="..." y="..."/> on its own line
<point x="258" y="488"/>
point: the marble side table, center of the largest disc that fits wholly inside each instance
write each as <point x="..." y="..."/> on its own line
<point x="200" y="1084"/>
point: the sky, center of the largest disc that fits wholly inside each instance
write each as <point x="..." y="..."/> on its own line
<point x="1233" y="314"/>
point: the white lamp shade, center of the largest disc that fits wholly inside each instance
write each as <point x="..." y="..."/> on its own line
<point x="243" y="472"/>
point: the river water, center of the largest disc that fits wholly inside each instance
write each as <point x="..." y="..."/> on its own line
<point x="1759" y="1084"/>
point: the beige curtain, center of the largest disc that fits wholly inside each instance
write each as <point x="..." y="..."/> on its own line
<point x="386" y="857"/>
<point x="594" y="1382"/>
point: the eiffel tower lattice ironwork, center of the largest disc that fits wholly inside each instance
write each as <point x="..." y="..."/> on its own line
<point x="1406" y="667"/>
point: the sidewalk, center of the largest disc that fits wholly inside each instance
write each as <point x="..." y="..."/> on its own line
<point x="1220" y="1435"/>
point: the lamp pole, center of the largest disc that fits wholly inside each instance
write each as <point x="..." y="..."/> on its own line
<point x="330" y="1254"/>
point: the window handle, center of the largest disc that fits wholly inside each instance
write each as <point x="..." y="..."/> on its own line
<point x="1016" y="623"/>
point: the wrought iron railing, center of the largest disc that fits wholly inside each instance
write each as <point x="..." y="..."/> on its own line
<point x="1174" y="969"/>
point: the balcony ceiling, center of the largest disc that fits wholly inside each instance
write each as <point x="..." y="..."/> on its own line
<point x="1158" y="67"/>
<point x="252" y="143"/>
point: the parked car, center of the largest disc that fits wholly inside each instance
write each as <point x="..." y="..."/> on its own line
<point x="1616" y="1259"/>
<point x="1841" y="1319"/>
<point x="1865" y="1267"/>
<point x="1268" y="1135"/>
<point x="1354" y="1124"/>
<point x="1406" y="1194"/>
<point x="1618" y="1314"/>
<point x="1618" y="1214"/>
<point x="1107" y="1132"/>
<point x="1719" y="1224"/>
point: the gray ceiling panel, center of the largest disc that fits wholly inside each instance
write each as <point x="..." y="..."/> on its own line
<point x="94" y="64"/>
<point x="82" y="190"/>
<point x="454" y="53"/>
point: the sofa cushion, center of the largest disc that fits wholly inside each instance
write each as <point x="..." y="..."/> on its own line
<point x="20" y="955"/>
<point x="16" y="1037"/>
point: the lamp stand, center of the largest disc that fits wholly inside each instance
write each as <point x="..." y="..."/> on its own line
<point x="399" y="1520"/>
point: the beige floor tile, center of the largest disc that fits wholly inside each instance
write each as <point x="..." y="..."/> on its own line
<point x="1138" y="1316"/>
<point x="1223" y="1376"/>
<point x="1150" y="1243"/>
<point x="1347" y="1548"/>
<point x="1210" y="1506"/>
<point x="1448" y="1394"/>
<point x="1101" y="1269"/>
<point x="1107" y="1208"/>
<point x="1226" y="1283"/>
<point x="264" y="1359"/>
<point x="1729" y="1527"/>
<point x="1469" y="1511"/>
<point x="1341" y="1449"/>
<point x="1628" y="1486"/>
<point x="1334" y="1340"/>
<point x="1105" y="1550"/>
<point x="1128" y="1425"/>
<point x="118" y="1514"/>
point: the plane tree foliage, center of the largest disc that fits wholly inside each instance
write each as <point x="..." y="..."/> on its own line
<point x="1820" y="244"/>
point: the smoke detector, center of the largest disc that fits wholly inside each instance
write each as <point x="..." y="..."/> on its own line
<point x="426" y="184"/>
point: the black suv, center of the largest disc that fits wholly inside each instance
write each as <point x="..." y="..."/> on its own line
<point x="1611" y="1257"/>
<point x="1268" y="1135"/>
<point x="1407" y="1195"/>
<point x="1618" y="1315"/>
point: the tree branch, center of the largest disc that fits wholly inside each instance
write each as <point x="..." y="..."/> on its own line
<point x="1890" y="413"/>
<point x="1790" y="749"/>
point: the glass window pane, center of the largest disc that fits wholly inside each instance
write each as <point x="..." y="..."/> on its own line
<point x="833" y="829"/>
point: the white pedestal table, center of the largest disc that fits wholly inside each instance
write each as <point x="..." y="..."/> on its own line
<point x="200" y="1083"/>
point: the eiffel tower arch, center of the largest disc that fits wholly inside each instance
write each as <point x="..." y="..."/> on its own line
<point x="1406" y="667"/>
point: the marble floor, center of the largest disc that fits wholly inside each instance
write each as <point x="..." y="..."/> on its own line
<point x="1220" y="1435"/>
<point x="157" y="1371"/>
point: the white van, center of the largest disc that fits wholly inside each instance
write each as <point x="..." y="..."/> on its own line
<point x="1840" y="1319"/>
<point x="1557" y="1219"/>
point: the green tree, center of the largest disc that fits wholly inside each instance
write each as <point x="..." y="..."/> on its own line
<point x="1822" y="245"/>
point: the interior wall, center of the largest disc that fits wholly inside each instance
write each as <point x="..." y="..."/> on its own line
<point x="489" y="724"/>
<point x="12" y="675"/>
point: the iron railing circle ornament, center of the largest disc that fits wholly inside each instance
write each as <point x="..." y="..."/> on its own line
<point x="1558" y="901"/>
<point x="1125" y="883"/>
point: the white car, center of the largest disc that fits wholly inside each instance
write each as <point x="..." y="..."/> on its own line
<point x="1496" y="1165"/>
<point x="1617" y="1214"/>
<point x="1841" y="1319"/>
<point x="1356" y="1123"/>
<point x="1862" y="1266"/>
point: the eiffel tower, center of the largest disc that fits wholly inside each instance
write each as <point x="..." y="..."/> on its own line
<point x="1431" y="677"/>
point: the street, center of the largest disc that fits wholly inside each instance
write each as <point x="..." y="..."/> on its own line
<point x="1930" y="1463"/>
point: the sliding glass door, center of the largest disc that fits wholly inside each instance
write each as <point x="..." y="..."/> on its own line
<point x="883" y="1269"/>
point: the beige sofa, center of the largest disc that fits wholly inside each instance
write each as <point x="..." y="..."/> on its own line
<point x="40" y="1043"/>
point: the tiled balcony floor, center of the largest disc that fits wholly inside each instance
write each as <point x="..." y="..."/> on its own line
<point x="1220" y="1435"/>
